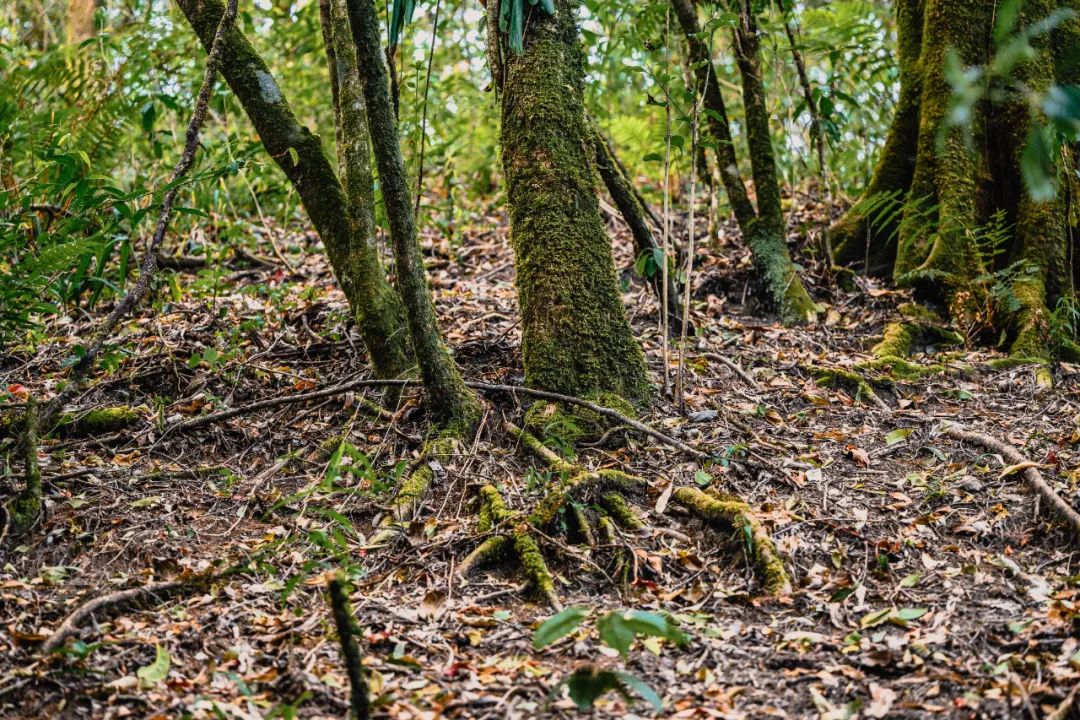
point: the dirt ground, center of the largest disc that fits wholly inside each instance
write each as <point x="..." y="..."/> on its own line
<point x="927" y="582"/>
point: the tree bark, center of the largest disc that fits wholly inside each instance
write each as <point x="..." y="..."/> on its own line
<point x="299" y="153"/>
<point x="634" y="213"/>
<point x="576" y="338"/>
<point x="971" y="236"/>
<point x="855" y="238"/>
<point x="763" y="228"/>
<point x="454" y="406"/>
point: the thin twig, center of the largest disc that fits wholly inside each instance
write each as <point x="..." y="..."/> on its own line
<point x="483" y="387"/>
<point x="148" y="267"/>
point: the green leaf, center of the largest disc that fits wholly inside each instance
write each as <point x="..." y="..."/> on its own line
<point x="1037" y="165"/>
<point x="875" y="618"/>
<point x="906" y="614"/>
<point x="910" y="581"/>
<point x="898" y="435"/>
<point x="615" y="632"/>
<point x="294" y="156"/>
<point x="587" y="685"/>
<point x="641" y="688"/>
<point x="155" y="672"/>
<point x="558" y="626"/>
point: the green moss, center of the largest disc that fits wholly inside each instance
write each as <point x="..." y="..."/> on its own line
<point x="24" y="509"/>
<point x="738" y="516"/>
<point x="493" y="510"/>
<point x="575" y="335"/>
<point x="901" y="369"/>
<point x="620" y="511"/>
<point x="100" y="421"/>
<point x="491" y="550"/>
<point x="535" y="567"/>
<point x="838" y="377"/>
<point x="567" y="426"/>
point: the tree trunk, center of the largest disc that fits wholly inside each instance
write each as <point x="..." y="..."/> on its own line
<point x="576" y="338"/>
<point x="855" y="237"/>
<point x="79" y="21"/>
<point x="634" y="213"/>
<point x="763" y="228"/>
<point x="971" y="236"/>
<point x="350" y="244"/>
<point x="454" y="406"/>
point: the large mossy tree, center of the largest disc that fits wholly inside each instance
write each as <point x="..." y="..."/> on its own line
<point x="576" y="337"/>
<point x="973" y="201"/>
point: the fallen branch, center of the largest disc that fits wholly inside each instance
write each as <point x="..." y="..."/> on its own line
<point x="1034" y="478"/>
<point x="103" y="602"/>
<point x="734" y="367"/>
<point x="483" y="387"/>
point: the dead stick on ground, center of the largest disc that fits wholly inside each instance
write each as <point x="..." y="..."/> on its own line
<point x="484" y="387"/>
<point x="350" y="650"/>
<point x="734" y="367"/>
<point x="1034" y="478"/>
<point x="103" y="602"/>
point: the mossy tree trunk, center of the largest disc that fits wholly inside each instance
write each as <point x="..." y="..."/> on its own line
<point x="454" y="406"/>
<point x="348" y="236"/>
<point x="576" y="338"/>
<point x="763" y="227"/>
<point x="855" y="239"/>
<point x="971" y="237"/>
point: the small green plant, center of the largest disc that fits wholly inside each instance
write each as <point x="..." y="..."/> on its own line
<point x="619" y="631"/>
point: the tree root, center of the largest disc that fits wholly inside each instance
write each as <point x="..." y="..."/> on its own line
<point x="80" y="423"/>
<point x="838" y="377"/>
<point x="1034" y="478"/>
<point x="412" y="489"/>
<point x="739" y="516"/>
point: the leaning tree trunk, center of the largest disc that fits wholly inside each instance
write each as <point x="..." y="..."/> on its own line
<point x="454" y="406"/>
<point x="953" y="247"/>
<point x="634" y="212"/>
<point x="576" y="338"/>
<point x="862" y="236"/>
<point x="763" y="228"/>
<point x="349" y="238"/>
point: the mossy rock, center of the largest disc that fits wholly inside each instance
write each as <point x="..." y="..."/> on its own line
<point x="567" y="426"/>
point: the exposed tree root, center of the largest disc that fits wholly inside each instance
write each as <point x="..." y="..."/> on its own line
<point x="738" y="515"/>
<point x="1034" y="478"/>
<point x="410" y="494"/>
<point x="78" y="423"/>
<point x="838" y="377"/>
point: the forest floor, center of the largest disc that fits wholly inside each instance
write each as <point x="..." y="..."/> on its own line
<point x="927" y="583"/>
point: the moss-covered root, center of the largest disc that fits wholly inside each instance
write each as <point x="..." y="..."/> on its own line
<point x="838" y="377"/>
<point x="78" y="424"/>
<point x="917" y="324"/>
<point x="568" y="426"/>
<point x="620" y="511"/>
<point x="1031" y="328"/>
<point x="495" y="516"/>
<point x="611" y="537"/>
<point x="411" y="492"/>
<point x="24" y="510"/>
<point x="738" y="516"/>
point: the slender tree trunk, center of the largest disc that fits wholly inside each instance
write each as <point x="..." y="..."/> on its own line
<point x="349" y="244"/>
<point x="79" y="22"/>
<point x="576" y="338"/>
<point x="626" y="200"/>
<point x="454" y="406"/>
<point x="855" y="238"/>
<point x="763" y="228"/>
